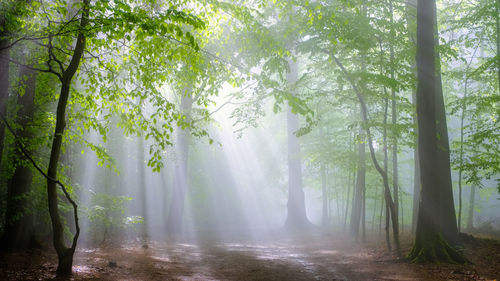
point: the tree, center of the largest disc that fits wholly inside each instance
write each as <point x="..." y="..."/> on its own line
<point x="296" y="216"/>
<point x="430" y="245"/>
<point x="65" y="40"/>
<point x="19" y="231"/>
<point x="180" y="180"/>
<point x="359" y="187"/>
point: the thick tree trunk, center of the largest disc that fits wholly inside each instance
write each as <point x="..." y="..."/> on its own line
<point x="429" y="243"/>
<point x="180" y="185"/>
<point x="447" y="210"/>
<point x="64" y="254"/>
<point x="296" y="206"/>
<point x="18" y="233"/>
<point x="360" y="186"/>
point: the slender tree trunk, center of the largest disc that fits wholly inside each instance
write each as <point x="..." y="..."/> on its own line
<point x="296" y="206"/>
<point x="429" y="244"/>
<point x="4" y="78"/>
<point x="348" y="198"/>
<point x="470" y="217"/>
<point x="387" y="208"/>
<point x="352" y="182"/>
<point x="395" y="177"/>
<point x="461" y="156"/>
<point x="363" y="217"/>
<point x="19" y="232"/>
<point x="416" y="184"/>
<point x="360" y="186"/>
<point x="374" y="209"/>
<point x="65" y="254"/>
<point x="497" y="18"/>
<point x="180" y="182"/>
<point x="324" y="214"/>
<point x="382" y="205"/>
<point x="387" y="227"/>
<point x="142" y="189"/>
<point x="380" y="170"/>
<point x="401" y="202"/>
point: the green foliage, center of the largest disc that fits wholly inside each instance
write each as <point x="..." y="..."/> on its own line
<point x="106" y="215"/>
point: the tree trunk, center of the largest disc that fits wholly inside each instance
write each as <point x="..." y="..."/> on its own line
<point x="380" y="170"/>
<point x="387" y="208"/>
<point x="470" y="217"/>
<point x="4" y="79"/>
<point x="324" y="195"/>
<point x="360" y="186"/>
<point x="461" y="156"/>
<point x="363" y="216"/>
<point x="416" y="186"/>
<point x="352" y="182"/>
<point x="447" y="210"/>
<point x="411" y="15"/>
<point x="180" y="182"/>
<point x="296" y="206"/>
<point x="142" y="189"/>
<point x="374" y="209"/>
<point x="64" y="254"/>
<point x="429" y="243"/>
<point x="395" y="177"/>
<point x="19" y="232"/>
<point x="497" y="18"/>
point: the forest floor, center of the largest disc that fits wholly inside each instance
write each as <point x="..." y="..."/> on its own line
<point x="320" y="257"/>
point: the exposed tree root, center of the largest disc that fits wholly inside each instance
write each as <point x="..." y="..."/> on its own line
<point x="435" y="250"/>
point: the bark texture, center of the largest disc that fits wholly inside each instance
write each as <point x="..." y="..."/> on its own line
<point x="430" y="245"/>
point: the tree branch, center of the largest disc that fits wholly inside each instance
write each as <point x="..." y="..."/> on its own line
<point x="37" y="167"/>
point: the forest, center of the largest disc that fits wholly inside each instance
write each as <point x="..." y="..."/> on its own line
<point x="249" y="140"/>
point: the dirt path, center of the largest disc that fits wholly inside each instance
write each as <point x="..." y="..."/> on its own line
<point x="315" y="258"/>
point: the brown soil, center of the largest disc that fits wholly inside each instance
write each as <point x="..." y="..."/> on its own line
<point x="321" y="257"/>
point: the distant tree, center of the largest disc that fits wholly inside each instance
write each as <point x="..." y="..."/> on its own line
<point x="296" y="206"/>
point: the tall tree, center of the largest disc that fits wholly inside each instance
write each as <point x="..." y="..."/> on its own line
<point x="360" y="186"/>
<point x="448" y="218"/>
<point x="429" y="242"/>
<point x="19" y="232"/>
<point x="395" y="177"/>
<point x="296" y="206"/>
<point x="180" y="180"/>
<point x="4" y="74"/>
<point x="64" y="253"/>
